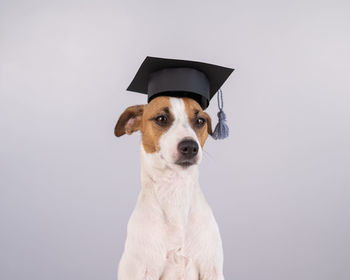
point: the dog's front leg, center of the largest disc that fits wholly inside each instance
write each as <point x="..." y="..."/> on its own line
<point x="144" y="255"/>
<point x="141" y="265"/>
<point x="210" y="262"/>
<point x="211" y="266"/>
<point x="143" y="259"/>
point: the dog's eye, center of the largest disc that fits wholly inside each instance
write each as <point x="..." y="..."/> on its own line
<point x="200" y="122"/>
<point x="161" y="120"/>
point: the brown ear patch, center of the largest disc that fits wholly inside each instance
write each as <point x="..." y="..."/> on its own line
<point x="130" y="121"/>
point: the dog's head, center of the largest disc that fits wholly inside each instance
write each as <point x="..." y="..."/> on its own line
<point x="174" y="130"/>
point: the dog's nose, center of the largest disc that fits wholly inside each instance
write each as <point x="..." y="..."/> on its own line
<point x="188" y="148"/>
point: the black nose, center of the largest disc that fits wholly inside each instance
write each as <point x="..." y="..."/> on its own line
<point x="188" y="148"/>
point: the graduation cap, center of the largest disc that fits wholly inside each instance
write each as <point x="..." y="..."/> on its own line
<point x="183" y="78"/>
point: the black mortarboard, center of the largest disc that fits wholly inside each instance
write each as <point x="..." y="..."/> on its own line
<point x="183" y="78"/>
<point x="179" y="78"/>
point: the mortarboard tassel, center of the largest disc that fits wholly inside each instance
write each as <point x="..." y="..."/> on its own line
<point x="221" y="130"/>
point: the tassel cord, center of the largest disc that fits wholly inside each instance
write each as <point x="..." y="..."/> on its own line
<point x="221" y="130"/>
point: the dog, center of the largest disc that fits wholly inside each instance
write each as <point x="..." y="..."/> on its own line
<point x="172" y="233"/>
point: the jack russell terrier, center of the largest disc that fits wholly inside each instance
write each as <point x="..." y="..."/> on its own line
<point x="172" y="232"/>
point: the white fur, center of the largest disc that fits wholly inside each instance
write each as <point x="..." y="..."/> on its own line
<point x="172" y="233"/>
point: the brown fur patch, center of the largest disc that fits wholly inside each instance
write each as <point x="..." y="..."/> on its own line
<point x="151" y="131"/>
<point x="192" y="107"/>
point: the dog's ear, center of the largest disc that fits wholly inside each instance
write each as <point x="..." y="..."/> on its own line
<point x="130" y="121"/>
<point x="210" y="132"/>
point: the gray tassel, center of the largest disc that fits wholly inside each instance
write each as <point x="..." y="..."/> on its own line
<point x="221" y="130"/>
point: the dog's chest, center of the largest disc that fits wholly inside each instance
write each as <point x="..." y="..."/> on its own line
<point x="175" y="195"/>
<point x="175" y="204"/>
<point x="177" y="199"/>
<point x="181" y="248"/>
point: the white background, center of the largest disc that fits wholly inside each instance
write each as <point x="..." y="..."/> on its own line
<point x="279" y="186"/>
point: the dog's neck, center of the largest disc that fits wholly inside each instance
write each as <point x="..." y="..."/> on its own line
<point x="172" y="188"/>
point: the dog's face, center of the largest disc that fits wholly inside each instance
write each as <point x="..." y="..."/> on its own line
<point x="174" y="130"/>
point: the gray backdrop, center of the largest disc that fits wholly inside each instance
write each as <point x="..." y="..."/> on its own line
<point x="279" y="186"/>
